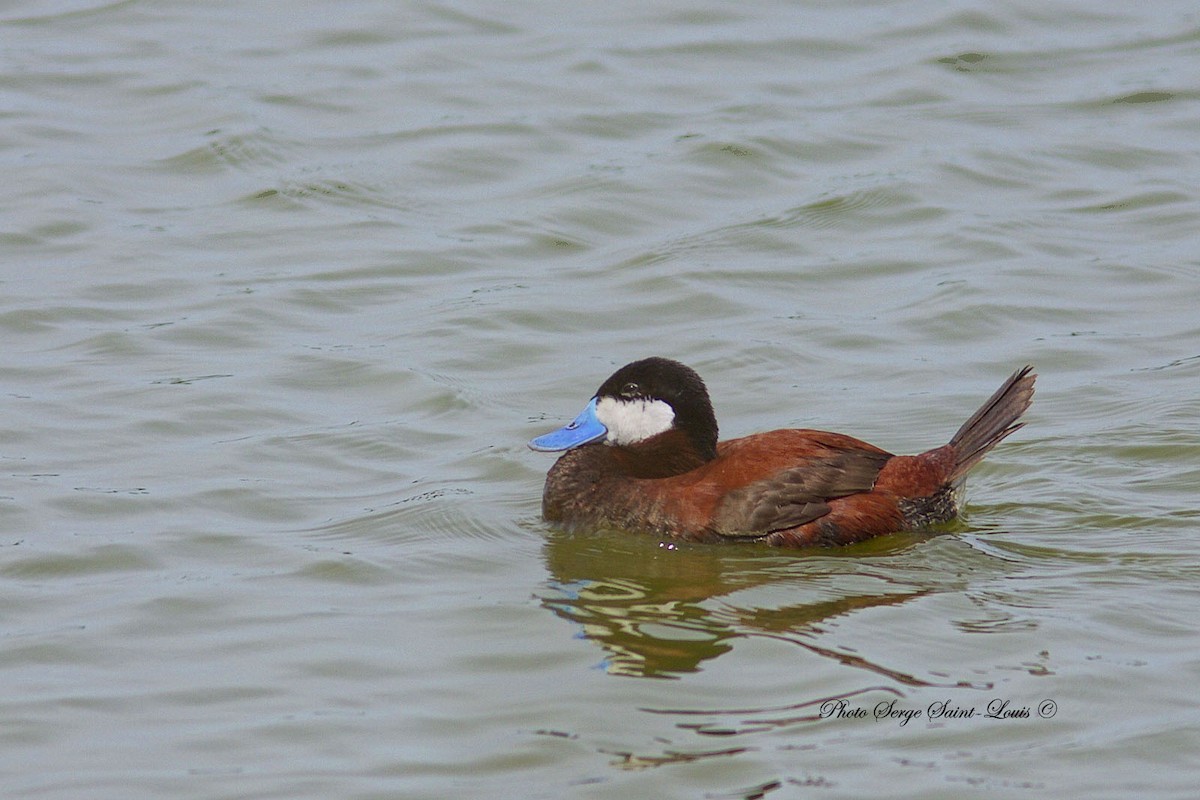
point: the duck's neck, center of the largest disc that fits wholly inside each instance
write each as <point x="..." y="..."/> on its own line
<point x="662" y="456"/>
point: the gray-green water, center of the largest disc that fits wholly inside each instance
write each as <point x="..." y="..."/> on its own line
<point x="285" y="290"/>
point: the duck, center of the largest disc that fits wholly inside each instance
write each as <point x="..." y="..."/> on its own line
<point x="644" y="455"/>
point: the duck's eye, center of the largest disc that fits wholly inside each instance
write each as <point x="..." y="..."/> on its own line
<point x="630" y="389"/>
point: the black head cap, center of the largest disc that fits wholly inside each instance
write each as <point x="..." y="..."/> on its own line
<point x="676" y="384"/>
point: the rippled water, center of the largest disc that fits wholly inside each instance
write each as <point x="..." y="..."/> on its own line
<point x="283" y="293"/>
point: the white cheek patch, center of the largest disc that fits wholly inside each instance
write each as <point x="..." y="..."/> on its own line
<point x="631" y="421"/>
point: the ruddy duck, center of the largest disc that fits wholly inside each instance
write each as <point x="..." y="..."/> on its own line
<point x="643" y="455"/>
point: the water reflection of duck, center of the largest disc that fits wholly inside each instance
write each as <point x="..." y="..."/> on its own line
<point x="661" y="612"/>
<point x="644" y="455"/>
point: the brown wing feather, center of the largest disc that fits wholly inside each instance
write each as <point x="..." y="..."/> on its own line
<point x="797" y="495"/>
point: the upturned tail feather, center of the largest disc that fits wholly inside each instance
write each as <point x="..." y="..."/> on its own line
<point x="992" y="423"/>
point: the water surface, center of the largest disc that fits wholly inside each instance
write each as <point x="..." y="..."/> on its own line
<point x="283" y="295"/>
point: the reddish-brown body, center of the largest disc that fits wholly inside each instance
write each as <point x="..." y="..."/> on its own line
<point x="786" y="487"/>
<point x="685" y="506"/>
<point x="692" y="499"/>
